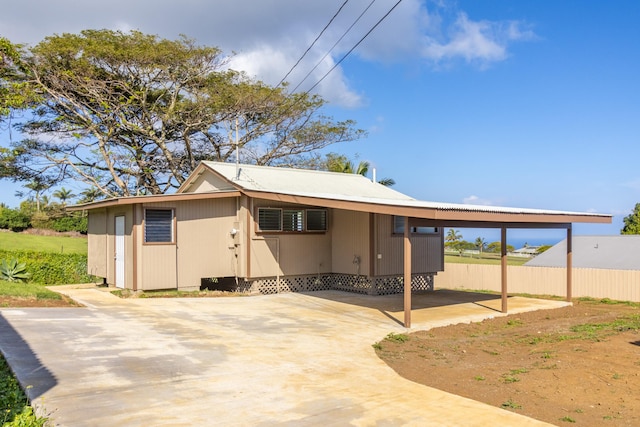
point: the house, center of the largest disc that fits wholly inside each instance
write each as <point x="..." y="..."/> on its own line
<point x="603" y="252"/>
<point x="269" y="230"/>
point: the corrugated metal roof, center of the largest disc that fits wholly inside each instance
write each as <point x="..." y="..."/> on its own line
<point x="348" y="187"/>
<point x="607" y="252"/>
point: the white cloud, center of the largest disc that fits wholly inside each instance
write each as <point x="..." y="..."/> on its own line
<point x="269" y="36"/>
<point x="475" y="41"/>
<point x="475" y="200"/>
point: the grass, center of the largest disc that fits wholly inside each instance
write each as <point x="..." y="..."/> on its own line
<point x="14" y="406"/>
<point x="26" y="290"/>
<point x="29" y="242"/>
<point x="488" y="259"/>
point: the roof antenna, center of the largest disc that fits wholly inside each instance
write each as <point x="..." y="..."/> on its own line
<point x="237" y="153"/>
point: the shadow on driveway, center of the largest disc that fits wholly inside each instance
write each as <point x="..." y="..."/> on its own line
<point x="33" y="376"/>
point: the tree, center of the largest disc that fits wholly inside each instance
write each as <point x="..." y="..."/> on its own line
<point x="63" y="195"/>
<point x="453" y="236"/>
<point x="496" y="247"/>
<point x="481" y="244"/>
<point x="632" y="222"/>
<point x="340" y="163"/>
<point x="129" y="113"/>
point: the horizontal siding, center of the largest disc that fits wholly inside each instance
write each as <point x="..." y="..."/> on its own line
<point x="623" y="285"/>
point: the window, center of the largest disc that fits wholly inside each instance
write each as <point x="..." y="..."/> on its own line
<point x="158" y="226"/>
<point x="398" y="227"/>
<point x="270" y="219"/>
<point x="316" y="220"/>
<point x="292" y="220"/>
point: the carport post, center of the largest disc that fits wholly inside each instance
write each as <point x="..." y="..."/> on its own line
<point x="407" y="273"/>
<point x="569" y="264"/>
<point x="503" y="261"/>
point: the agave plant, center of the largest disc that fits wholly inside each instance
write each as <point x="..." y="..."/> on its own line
<point x="13" y="271"/>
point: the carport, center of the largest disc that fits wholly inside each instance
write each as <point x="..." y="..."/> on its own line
<point x="419" y="213"/>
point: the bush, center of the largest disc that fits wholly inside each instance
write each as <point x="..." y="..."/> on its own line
<point x="13" y="220"/>
<point x="52" y="268"/>
<point x="71" y="223"/>
<point x="13" y="271"/>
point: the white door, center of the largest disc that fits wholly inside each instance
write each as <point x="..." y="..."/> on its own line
<point x="119" y="256"/>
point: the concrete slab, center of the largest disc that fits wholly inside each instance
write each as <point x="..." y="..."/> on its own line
<point x="288" y="359"/>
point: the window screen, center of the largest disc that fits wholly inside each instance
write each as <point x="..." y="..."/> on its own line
<point x="270" y="219"/>
<point x="316" y="220"/>
<point x="158" y="226"/>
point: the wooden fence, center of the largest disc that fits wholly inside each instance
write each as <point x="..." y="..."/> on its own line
<point x="623" y="285"/>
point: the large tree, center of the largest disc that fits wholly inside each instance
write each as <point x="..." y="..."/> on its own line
<point x="334" y="162"/>
<point x="632" y="222"/>
<point x="129" y="113"/>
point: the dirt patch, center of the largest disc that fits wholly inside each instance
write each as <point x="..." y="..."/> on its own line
<point x="16" y="302"/>
<point x="578" y="364"/>
<point x="48" y="232"/>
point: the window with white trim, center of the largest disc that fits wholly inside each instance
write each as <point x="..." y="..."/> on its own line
<point x="292" y="220"/>
<point x="158" y="226"/>
<point x="398" y="227"/>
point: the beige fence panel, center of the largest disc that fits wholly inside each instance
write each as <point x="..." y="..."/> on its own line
<point x="621" y="285"/>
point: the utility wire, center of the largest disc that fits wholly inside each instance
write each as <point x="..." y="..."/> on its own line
<point x="334" y="45"/>
<point x="355" y="46"/>
<point x="314" y="42"/>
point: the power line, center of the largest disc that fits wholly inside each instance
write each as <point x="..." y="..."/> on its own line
<point x="314" y="42"/>
<point x="355" y="46"/>
<point x="334" y="45"/>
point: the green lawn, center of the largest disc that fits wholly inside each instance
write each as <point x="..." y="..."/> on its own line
<point x="26" y="290"/>
<point x="493" y="259"/>
<point x="28" y="242"/>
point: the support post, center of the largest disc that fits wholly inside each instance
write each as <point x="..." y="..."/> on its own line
<point x="569" y="264"/>
<point x="503" y="263"/>
<point x="407" y="273"/>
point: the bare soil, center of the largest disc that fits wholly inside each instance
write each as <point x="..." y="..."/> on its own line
<point x="578" y="364"/>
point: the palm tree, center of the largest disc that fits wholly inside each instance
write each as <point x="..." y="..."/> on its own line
<point x="340" y="163"/>
<point x="481" y="244"/>
<point x="90" y="195"/>
<point x="38" y="187"/>
<point x="453" y="236"/>
<point x="63" y="195"/>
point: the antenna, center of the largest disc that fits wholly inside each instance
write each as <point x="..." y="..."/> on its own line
<point x="374" y="175"/>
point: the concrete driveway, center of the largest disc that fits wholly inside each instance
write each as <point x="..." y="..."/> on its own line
<point x="288" y="359"/>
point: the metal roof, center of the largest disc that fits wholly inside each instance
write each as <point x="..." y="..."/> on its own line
<point x="606" y="252"/>
<point x="351" y="188"/>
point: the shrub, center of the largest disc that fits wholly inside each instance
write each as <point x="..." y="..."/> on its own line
<point x="13" y="271"/>
<point x="71" y="223"/>
<point x="13" y="219"/>
<point x="52" y="268"/>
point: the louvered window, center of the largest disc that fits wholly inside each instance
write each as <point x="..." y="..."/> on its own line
<point x="270" y="219"/>
<point x="158" y="226"/>
<point x="293" y="220"/>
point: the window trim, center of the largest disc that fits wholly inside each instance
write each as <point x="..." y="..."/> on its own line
<point x="415" y="231"/>
<point x="303" y="228"/>
<point x="173" y="227"/>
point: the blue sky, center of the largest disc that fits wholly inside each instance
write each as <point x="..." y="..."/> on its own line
<point x="527" y="103"/>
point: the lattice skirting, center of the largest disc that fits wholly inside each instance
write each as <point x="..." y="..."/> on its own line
<point x="344" y="282"/>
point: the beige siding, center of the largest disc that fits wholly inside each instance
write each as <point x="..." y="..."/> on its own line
<point x="298" y="253"/>
<point x="97" y="243"/>
<point x="208" y="182"/>
<point x="204" y="246"/>
<point x="426" y="250"/>
<point x="350" y="240"/>
<point x="621" y="285"/>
